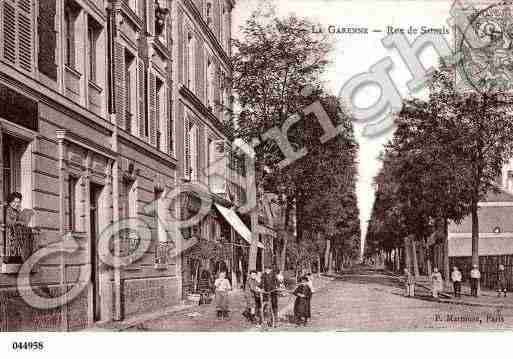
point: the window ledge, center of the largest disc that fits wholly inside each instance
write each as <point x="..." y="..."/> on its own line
<point x="132" y="15"/>
<point x="73" y="72"/>
<point x="95" y="86"/>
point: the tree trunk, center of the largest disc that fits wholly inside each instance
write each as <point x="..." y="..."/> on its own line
<point x="327" y="255"/>
<point x="253" y="249"/>
<point x="407" y="252"/>
<point x="286" y="235"/>
<point x="475" y="239"/>
<point x="415" y="259"/>
<point x="196" y="274"/>
<point x="447" y="270"/>
<point x="283" y="253"/>
<point x="475" y="233"/>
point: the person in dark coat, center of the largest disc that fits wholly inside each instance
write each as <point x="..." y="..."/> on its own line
<point x="270" y="285"/>
<point x="205" y="286"/>
<point x="501" y="281"/>
<point x="302" y="303"/>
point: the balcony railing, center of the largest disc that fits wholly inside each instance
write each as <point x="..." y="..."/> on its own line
<point x="19" y="243"/>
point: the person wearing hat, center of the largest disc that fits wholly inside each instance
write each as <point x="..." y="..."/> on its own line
<point x="475" y="276"/>
<point x="456" y="281"/>
<point x="501" y="281"/>
<point x="270" y="286"/>
<point x="301" y="304"/>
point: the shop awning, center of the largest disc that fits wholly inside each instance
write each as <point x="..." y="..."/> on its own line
<point x="236" y="223"/>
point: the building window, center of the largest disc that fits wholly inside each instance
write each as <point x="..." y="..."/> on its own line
<point x="130" y="93"/>
<point x="146" y="113"/>
<point x="193" y="135"/>
<point x="160" y="111"/>
<point x="190" y="63"/>
<point x="171" y="131"/>
<point x="208" y="13"/>
<point x="70" y="16"/>
<point x="212" y="228"/>
<point x="161" y="14"/>
<point x="72" y="203"/>
<point x="93" y="31"/>
<point x="221" y="23"/>
<point x="209" y="84"/>
<point x="159" y="215"/>
<point x="132" y="4"/>
<point x="190" y="150"/>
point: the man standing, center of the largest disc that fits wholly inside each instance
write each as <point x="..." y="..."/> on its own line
<point x="475" y="276"/>
<point x="501" y="281"/>
<point x="456" y="282"/>
<point x="409" y="283"/>
<point x="270" y="285"/>
<point x="252" y="294"/>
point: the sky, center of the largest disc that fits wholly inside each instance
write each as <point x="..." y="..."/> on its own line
<point x="356" y="53"/>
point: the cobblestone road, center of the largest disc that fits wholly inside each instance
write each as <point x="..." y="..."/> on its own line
<point x="358" y="302"/>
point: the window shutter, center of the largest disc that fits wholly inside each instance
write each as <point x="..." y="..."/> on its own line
<point x="9" y="50"/>
<point x="47" y="39"/>
<point x="187" y="148"/>
<point x="193" y="143"/>
<point x="128" y="103"/>
<point x="160" y="106"/>
<point x="119" y="76"/>
<point x="18" y="33"/>
<point x="169" y="117"/>
<point x="141" y="113"/>
<point x="198" y="63"/>
<point x="151" y="17"/>
<point x="215" y="11"/>
<point x="25" y="36"/>
<point x="152" y="108"/>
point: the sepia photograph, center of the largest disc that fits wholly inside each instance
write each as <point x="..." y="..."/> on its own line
<point x="256" y="166"/>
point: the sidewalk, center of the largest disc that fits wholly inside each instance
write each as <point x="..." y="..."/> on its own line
<point x="203" y="318"/>
<point x="487" y="298"/>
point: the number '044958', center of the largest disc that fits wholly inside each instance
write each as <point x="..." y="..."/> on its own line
<point x="27" y="346"/>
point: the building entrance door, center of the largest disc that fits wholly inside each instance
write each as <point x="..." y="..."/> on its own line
<point x="94" y="197"/>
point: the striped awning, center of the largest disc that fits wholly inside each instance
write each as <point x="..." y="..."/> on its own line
<point x="237" y="224"/>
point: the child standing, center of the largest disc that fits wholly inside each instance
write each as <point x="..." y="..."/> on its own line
<point x="438" y="283"/>
<point x="222" y="286"/>
<point x="409" y="283"/>
<point x="301" y="305"/>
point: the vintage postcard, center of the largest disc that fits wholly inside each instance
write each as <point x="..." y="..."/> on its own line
<point x="255" y="166"/>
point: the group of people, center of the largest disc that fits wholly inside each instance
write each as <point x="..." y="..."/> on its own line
<point x="475" y="277"/>
<point x="265" y="287"/>
<point x="456" y="279"/>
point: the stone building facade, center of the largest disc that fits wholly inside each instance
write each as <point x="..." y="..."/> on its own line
<point x="106" y="106"/>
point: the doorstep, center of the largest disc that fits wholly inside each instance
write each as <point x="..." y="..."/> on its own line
<point x="115" y="326"/>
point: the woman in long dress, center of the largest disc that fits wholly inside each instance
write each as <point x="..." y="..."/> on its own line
<point x="437" y="281"/>
<point x="223" y="287"/>
<point x="303" y="294"/>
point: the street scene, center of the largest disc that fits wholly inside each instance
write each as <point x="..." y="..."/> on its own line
<point x="256" y="166"/>
<point x="363" y="299"/>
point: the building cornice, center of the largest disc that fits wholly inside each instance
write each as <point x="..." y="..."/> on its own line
<point x="201" y="108"/>
<point x="208" y="31"/>
<point x="147" y="149"/>
<point x="72" y="137"/>
<point x="41" y="93"/>
<point x="481" y="235"/>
